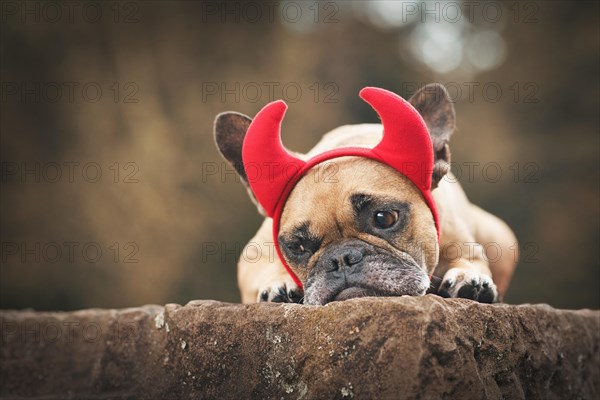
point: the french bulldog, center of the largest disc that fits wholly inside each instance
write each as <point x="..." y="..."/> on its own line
<point x="353" y="226"/>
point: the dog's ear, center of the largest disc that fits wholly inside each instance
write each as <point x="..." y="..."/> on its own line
<point x="230" y="131"/>
<point x="436" y="108"/>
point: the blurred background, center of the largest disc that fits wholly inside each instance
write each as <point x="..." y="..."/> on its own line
<point x="113" y="193"/>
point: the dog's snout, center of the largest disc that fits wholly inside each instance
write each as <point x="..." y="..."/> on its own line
<point x="343" y="257"/>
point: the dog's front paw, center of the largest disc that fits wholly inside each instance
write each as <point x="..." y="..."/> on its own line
<point x="281" y="291"/>
<point x="468" y="284"/>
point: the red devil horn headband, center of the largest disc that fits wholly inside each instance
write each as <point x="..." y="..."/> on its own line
<point x="272" y="171"/>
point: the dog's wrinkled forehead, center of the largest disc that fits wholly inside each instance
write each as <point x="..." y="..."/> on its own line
<point x="326" y="196"/>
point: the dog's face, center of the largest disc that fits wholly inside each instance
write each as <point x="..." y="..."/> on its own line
<point x="363" y="231"/>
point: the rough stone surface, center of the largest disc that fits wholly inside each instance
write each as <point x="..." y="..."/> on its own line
<point x="407" y="347"/>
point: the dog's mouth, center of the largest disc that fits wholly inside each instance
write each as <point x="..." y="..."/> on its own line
<point x="412" y="282"/>
<point x="353" y="292"/>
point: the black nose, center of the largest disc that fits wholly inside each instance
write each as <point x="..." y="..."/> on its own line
<point x="344" y="257"/>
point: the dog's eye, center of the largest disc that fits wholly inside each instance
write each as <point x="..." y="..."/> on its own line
<point x="385" y="219"/>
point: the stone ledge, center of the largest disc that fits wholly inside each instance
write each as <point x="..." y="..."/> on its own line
<point x="406" y="347"/>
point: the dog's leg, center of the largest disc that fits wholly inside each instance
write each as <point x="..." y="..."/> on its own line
<point x="261" y="276"/>
<point x="267" y="282"/>
<point x="467" y="274"/>
<point x="480" y="268"/>
<point x="500" y="243"/>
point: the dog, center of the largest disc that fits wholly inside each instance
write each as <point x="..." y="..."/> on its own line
<point x="354" y="226"/>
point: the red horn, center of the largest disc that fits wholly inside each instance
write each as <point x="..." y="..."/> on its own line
<point x="406" y="144"/>
<point x="268" y="165"/>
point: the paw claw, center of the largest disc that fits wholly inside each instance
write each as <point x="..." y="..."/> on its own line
<point x="448" y="283"/>
<point x="264" y="296"/>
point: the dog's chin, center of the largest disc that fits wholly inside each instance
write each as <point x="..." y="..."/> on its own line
<point x="414" y="287"/>
<point x="353" y="292"/>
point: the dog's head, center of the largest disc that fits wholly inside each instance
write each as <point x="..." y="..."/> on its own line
<point x="353" y="226"/>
